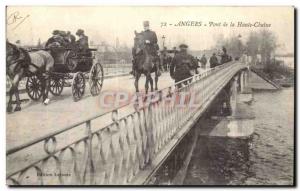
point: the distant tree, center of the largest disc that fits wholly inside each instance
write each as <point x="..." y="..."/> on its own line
<point x="253" y="45"/>
<point x="234" y="46"/>
<point x="267" y="45"/>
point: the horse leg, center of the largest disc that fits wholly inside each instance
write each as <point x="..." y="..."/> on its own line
<point x="151" y="82"/>
<point x="156" y="80"/>
<point x="136" y="82"/>
<point x="147" y="83"/>
<point x="14" y="90"/>
<point x="9" y="105"/>
<point x="18" y="101"/>
<point x="45" y="89"/>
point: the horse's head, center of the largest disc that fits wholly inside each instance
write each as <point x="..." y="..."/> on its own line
<point x="11" y="53"/>
<point x="138" y="42"/>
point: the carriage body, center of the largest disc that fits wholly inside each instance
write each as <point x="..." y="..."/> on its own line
<point x="71" y="69"/>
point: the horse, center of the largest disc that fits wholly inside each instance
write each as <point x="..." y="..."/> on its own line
<point x="146" y="63"/>
<point x="20" y="63"/>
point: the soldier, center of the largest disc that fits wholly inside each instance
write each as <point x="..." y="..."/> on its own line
<point x="83" y="41"/>
<point x="150" y="38"/>
<point x="203" y="61"/>
<point x="225" y="57"/>
<point x="213" y="61"/>
<point x="182" y="64"/>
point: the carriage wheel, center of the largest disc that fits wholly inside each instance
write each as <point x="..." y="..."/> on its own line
<point x="96" y="79"/>
<point x="56" y="86"/>
<point x="34" y="87"/>
<point x="78" y="86"/>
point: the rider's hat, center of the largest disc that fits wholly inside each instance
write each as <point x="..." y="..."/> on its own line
<point x="146" y="23"/>
<point x="183" y="46"/>
<point x="55" y="32"/>
<point x="80" y="32"/>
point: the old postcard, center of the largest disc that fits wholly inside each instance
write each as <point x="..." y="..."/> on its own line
<point x="153" y="95"/>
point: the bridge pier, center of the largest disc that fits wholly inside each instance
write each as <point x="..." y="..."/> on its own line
<point x="238" y="122"/>
<point x="244" y="81"/>
<point x="233" y="95"/>
<point x="240" y="92"/>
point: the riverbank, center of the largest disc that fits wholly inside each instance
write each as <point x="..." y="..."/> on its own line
<point x="276" y="71"/>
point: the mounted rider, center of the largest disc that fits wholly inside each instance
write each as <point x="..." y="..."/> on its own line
<point x="150" y="38"/>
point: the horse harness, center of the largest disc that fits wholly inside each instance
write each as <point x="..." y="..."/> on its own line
<point x="22" y="57"/>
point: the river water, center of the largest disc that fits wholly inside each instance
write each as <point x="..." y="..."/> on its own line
<point x="267" y="158"/>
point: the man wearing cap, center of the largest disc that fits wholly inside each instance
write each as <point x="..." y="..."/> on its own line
<point x="83" y="41"/>
<point x="203" y="61"/>
<point x="150" y="38"/>
<point x="213" y="61"/>
<point x="182" y="64"/>
<point x="224" y="56"/>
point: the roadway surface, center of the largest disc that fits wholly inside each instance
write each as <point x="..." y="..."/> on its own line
<point x="36" y="120"/>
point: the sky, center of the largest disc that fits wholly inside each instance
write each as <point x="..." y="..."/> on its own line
<point x="28" y="24"/>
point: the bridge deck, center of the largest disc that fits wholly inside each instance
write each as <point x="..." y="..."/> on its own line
<point x="63" y="111"/>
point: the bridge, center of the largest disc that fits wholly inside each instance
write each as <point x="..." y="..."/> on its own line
<point x="124" y="145"/>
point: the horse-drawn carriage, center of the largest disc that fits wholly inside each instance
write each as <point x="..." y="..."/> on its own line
<point x="71" y="69"/>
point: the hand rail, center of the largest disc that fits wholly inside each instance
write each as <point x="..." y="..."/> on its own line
<point x="128" y="144"/>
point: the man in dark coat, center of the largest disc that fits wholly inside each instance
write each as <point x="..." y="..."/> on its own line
<point x="213" y="61"/>
<point x="182" y="64"/>
<point x="83" y="41"/>
<point x="150" y="37"/>
<point x="225" y="57"/>
<point x="203" y="61"/>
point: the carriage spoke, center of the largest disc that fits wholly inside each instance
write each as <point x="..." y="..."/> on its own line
<point x="78" y="86"/>
<point x="95" y="79"/>
<point x="34" y="87"/>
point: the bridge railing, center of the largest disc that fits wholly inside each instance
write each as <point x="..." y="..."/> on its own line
<point x="118" y="146"/>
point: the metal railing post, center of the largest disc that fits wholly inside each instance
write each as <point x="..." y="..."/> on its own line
<point x="150" y="133"/>
<point x="89" y="171"/>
